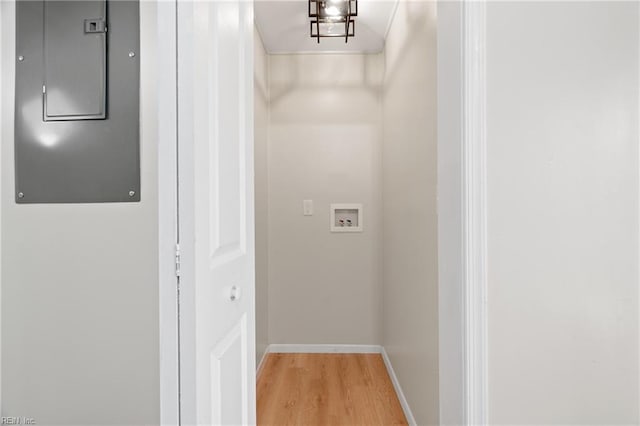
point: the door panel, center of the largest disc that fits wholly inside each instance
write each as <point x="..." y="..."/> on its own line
<point x="229" y="198"/>
<point x="216" y="204"/>
<point x="229" y="378"/>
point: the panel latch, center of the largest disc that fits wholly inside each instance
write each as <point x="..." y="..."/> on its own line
<point x="95" y="26"/>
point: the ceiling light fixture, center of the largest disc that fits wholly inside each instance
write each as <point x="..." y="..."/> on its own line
<point x="333" y="18"/>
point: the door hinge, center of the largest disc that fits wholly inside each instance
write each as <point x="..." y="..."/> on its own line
<point x="177" y="260"/>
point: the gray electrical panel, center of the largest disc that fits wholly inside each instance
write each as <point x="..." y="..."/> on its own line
<point x="77" y="101"/>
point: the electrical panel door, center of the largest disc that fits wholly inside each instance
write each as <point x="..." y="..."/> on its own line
<point x="77" y="101"/>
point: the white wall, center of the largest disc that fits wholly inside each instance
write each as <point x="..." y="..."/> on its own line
<point x="261" y="164"/>
<point x="324" y="145"/>
<point x="410" y="251"/>
<point x="80" y="337"/>
<point x="563" y="212"/>
<point x="451" y="318"/>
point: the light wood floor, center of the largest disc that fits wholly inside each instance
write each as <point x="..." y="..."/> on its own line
<point x="327" y="389"/>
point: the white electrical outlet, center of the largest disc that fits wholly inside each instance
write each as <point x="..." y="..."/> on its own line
<point x="307" y="207"/>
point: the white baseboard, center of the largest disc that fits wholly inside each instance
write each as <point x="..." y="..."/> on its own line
<point x="346" y="349"/>
<point x="325" y="349"/>
<point x="396" y="385"/>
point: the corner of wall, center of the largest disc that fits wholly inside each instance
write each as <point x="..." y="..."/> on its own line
<point x="410" y="253"/>
<point x="261" y="136"/>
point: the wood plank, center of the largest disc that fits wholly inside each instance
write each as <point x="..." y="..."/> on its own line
<point x="327" y="389"/>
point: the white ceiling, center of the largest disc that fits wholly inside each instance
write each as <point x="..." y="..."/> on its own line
<point x="284" y="27"/>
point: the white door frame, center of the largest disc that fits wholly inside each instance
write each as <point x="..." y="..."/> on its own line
<point x="462" y="207"/>
<point x="475" y="198"/>
<point x="462" y="211"/>
<point x="167" y="212"/>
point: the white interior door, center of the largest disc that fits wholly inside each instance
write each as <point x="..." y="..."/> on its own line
<point x="215" y="120"/>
